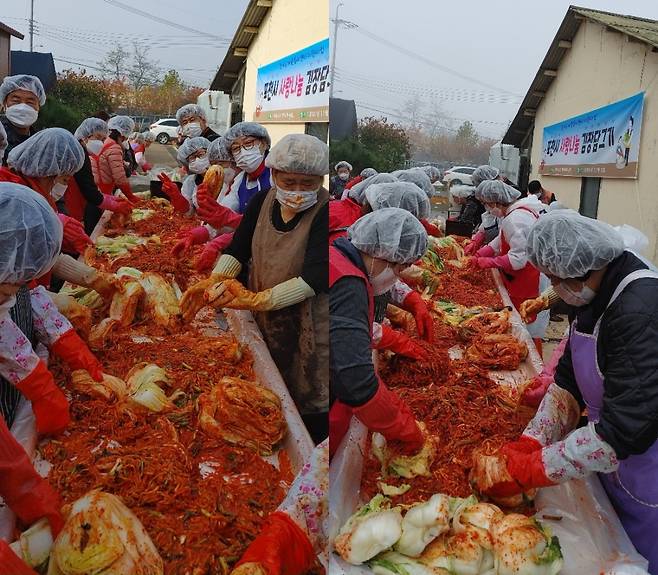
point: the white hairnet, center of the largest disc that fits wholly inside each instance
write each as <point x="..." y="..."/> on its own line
<point x="3" y="140"/>
<point x="567" y="245"/>
<point x="433" y="173"/>
<point x="418" y="177"/>
<point x="30" y="234"/>
<point x="403" y="195"/>
<point x="497" y="191"/>
<point x="189" y="147"/>
<point x="299" y="154"/>
<point x="217" y="151"/>
<point x="368" y="173"/>
<point x="389" y="234"/>
<point x="149" y="137"/>
<point x="462" y="191"/>
<point x="122" y="124"/>
<point x="50" y="152"/>
<point x="138" y="137"/>
<point x="22" y="82"/>
<point x="190" y="110"/>
<point x="91" y="126"/>
<point x="483" y="173"/>
<point x="343" y="164"/>
<point x="358" y="191"/>
<point x="242" y="129"/>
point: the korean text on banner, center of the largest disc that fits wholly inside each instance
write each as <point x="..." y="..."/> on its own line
<point x="603" y="143"/>
<point x="295" y="88"/>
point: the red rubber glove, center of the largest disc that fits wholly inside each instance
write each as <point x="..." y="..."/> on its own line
<point x="400" y="343"/>
<point x="535" y="392"/>
<point x="170" y="189"/>
<point x="389" y="415"/>
<point x="70" y="348"/>
<point x="431" y="229"/>
<point x="25" y="492"/>
<point x="125" y="189"/>
<point x="216" y="215"/>
<point x="75" y="239"/>
<point x="50" y="407"/>
<point x="415" y="305"/>
<point x="476" y="241"/>
<point x="526" y="468"/>
<point x="117" y="205"/>
<point x="211" y="250"/>
<point x="486" y="252"/>
<point x="525" y="444"/>
<point x="10" y="564"/>
<point x="191" y="237"/>
<point x="281" y="548"/>
<point x="486" y="263"/>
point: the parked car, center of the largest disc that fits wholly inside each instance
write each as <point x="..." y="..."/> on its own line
<point x="165" y="130"/>
<point x="458" y="175"/>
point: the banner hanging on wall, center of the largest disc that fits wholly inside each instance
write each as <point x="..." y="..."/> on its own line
<point x="603" y="143"/>
<point x="295" y="88"/>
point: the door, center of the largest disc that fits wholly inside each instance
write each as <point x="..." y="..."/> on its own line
<point x="589" y="197"/>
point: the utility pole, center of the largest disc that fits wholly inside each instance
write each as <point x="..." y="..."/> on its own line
<point x="333" y="52"/>
<point x="31" y="25"/>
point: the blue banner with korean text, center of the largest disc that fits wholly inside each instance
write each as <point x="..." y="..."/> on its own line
<point x="295" y="88"/>
<point x="603" y="143"/>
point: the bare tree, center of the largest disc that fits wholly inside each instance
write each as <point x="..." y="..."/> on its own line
<point x="412" y="111"/>
<point x="115" y="64"/>
<point x="144" y="71"/>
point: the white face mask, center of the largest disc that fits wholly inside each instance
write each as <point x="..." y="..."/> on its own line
<point x="575" y="298"/>
<point x="383" y="281"/>
<point x="58" y="190"/>
<point x="297" y="201"/>
<point x="344" y="176"/>
<point x="21" y="115"/>
<point x="125" y="144"/>
<point x="192" y="130"/>
<point x="199" y="165"/>
<point x="94" y="147"/>
<point x="249" y="160"/>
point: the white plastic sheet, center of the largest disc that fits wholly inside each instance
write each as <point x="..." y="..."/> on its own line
<point x="592" y="537"/>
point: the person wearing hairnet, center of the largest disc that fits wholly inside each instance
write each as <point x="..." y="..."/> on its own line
<point x="140" y="144"/>
<point x="432" y="172"/>
<point x="194" y="123"/>
<point x="108" y="165"/>
<point x="30" y="240"/>
<point x="422" y="180"/>
<point x="83" y="200"/>
<point x="46" y="163"/>
<point x="365" y="264"/>
<point x="364" y="175"/>
<point x="507" y="252"/>
<point x="470" y="208"/>
<point x="21" y="98"/>
<point x="609" y="366"/>
<point x="337" y="183"/>
<point x="406" y="196"/>
<point x="488" y="229"/>
<point x="282" y="238"/>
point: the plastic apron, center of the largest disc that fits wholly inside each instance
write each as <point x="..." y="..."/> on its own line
<point x="340" y="414"/>
<point x="633" y="488"/>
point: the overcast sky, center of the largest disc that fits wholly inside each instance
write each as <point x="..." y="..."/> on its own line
<point x="500" y="43"/>
<point x="85" y="30"/>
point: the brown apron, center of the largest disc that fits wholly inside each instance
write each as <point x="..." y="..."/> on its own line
<point x="297" y="336"/>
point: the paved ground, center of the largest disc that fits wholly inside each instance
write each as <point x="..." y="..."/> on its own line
<point x="553" y="336"/>
<point x="159" y="155"/>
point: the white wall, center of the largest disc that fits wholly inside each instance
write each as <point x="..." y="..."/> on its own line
<point x="289" y="26"/>
<point x="602" y="67"/>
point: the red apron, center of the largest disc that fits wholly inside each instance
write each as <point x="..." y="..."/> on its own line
<point x="522" y="284"/>
<point x="74" y="201"/>
<point x="340" y="414"/>
<point x="104" y="187"/>
<point x="342" y="214"/>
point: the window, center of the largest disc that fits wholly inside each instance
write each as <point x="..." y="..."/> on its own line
<point x="169" y="123"/>
<point x="589" y="197"/>
<point x="318" y="129"/>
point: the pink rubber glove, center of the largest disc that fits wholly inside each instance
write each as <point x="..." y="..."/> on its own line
<point x="211" y="250"/>
<point x="192" y="237"/>
<point x="486" y="252"/>
<point x="116" y="205"/>
<point x="486" y="263"/>
<point x="503" y="263"/>
<point x="75" y="239"/>
<point x="476" y="241"/>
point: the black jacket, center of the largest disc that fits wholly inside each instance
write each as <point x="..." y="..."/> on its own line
<point x="471" y="212"/>
<point x="627" y="350"/>
<point x="352" y="373"/>
<point x="84" y="177"/>
<point x="13" y="137"/>
<point x="336" y="187"/>
<point x="210" y="134"/>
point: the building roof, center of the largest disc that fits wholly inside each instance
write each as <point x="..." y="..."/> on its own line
<point x="39" y="64"/>
<point x="237" y="52"/>
<point x="641" y="29"/>
<point x="11" y="31"/>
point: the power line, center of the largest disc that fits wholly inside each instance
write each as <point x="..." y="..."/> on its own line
<point x="164" y="21"/>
